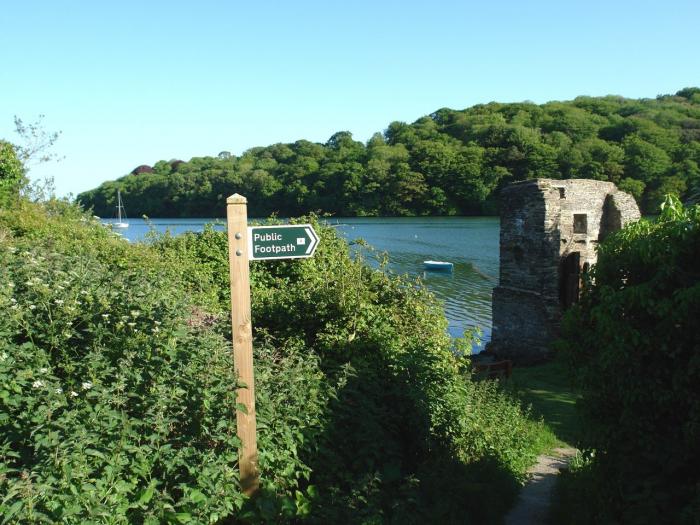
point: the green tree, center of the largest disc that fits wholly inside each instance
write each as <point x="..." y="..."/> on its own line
<point x="643" y="160"/>
<point x="35" y="142"/>
<point x="12" y="176"/>
<point x="601" y="160"/>
<point x="633" y="187"/>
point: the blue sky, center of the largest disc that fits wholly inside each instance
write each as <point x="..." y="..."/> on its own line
<point x="134" y="82"/>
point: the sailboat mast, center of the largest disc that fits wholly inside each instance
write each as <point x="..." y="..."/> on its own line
<point x="119" y="205"/>
<point x="121" y="212"/>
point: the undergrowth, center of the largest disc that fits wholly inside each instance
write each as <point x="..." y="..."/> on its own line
<point x="117" y="389"/>
<point x="634" y="348"/>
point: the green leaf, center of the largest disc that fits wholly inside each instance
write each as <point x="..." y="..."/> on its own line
<point x="14" y="509"/>
<point x="144" y="496"/>
<point x="95" y="453"/>
<point x="195" y="496"/>
<point x="178" y="517"/>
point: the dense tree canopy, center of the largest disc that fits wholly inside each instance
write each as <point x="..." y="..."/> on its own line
<point x="452" y="162"/>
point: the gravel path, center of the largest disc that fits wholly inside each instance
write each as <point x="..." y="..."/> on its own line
<point x="533" y="504"/>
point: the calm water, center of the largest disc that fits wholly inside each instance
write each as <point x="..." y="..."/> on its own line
<point x="471" y="243"/>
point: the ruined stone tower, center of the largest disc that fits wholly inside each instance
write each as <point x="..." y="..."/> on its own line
<point x="549" y="233"/>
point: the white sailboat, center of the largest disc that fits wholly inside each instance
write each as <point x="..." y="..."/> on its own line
<point x="121" y="213"/>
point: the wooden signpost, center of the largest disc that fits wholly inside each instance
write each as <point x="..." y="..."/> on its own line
<point x="253" y="243"/>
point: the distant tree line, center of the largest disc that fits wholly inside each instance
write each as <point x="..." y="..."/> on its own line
<point x="452" y="162"/>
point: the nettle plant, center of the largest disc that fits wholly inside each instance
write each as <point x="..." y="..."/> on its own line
<point x="111" y="409"/>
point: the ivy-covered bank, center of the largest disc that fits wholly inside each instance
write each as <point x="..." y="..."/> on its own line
<point x="117" y="389"/>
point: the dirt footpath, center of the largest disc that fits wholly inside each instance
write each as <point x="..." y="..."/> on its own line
<point x="533" y="504"/>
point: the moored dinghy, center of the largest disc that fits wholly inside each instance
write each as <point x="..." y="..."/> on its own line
<point x="438" y="265"/>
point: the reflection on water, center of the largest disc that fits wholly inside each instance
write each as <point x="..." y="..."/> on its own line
<point x="470" y="243"/>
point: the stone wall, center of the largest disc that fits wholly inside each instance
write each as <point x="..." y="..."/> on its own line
<point x="549" y="233"/>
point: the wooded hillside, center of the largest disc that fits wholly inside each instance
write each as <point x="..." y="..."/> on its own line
<point x="452" y="162"/>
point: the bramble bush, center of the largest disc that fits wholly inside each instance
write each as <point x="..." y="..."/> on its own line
<point x="634" y="345"/>
<point x="117" y="393"/>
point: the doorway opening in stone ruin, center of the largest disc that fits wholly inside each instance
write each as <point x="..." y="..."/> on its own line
<point x="611" y="220"/>
<point x="569" y="279"/>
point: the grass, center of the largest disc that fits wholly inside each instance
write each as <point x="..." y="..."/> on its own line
<point x="547" y="388"/>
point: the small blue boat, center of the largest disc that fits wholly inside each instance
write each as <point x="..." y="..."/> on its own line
<point x="443" y="266"/>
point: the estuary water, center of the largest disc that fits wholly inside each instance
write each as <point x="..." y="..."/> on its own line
<point x="471" y="243"/>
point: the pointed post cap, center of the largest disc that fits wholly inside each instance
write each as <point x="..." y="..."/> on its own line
<point x="236" y="199"/>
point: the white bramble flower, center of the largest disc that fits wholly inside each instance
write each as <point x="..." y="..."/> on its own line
<point x="59" y="390"/>
<point x="38" y="383"/>
<point x="11" y="285"/>
<point x="87" y="385"/>
<point x="105" y="316"/>
<point x="3" y="356"/>
<point x="73" y="393"/>
<point x="31" y="306"/>
<point x="43" y="370"/>
<point x="131" y="324"/>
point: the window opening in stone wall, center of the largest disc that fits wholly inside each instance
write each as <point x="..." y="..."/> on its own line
<point x="562" y="193"/>
<point x="580" y="223"/>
